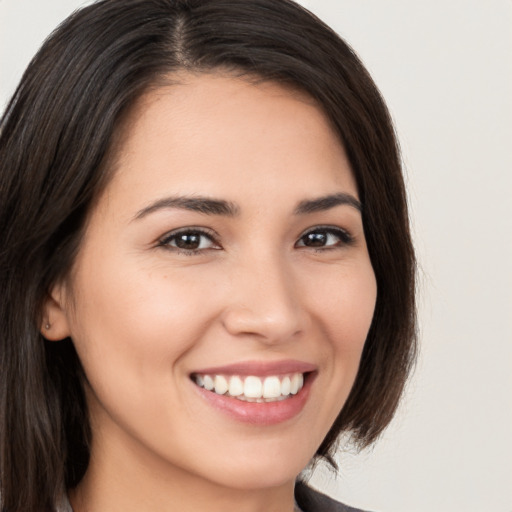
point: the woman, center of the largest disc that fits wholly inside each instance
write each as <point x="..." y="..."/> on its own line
<point x="206" y="269"/>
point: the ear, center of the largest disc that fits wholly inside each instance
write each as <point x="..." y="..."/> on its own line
<point x="55" y="323"/>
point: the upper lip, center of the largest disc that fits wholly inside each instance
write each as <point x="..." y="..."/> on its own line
<point x="259" y="368"/>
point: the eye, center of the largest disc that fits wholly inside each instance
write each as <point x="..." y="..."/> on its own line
<point x="325" y="237"/>
<point x="189" y="241"/>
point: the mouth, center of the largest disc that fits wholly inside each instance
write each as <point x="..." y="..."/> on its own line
<point x="252" y="388"/>
<point x="255" y="392"/>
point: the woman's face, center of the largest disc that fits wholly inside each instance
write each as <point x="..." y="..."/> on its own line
<point x="227" y="251"/>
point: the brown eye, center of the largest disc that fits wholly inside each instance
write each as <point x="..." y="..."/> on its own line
<point x="189" y="241"/>
<point x="315" y="239"/>
<point x="324" y="238"/>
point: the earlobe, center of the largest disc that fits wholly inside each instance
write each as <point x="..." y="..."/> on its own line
<point x="54" y="321"/>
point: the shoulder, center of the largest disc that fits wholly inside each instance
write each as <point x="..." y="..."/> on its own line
<point x="310" y="500"/>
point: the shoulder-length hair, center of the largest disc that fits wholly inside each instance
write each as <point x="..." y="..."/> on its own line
<point x="56" y="140"/>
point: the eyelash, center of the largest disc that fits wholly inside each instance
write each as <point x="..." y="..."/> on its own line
<point x="166" y="240"/>
<point x="344" y="237"/>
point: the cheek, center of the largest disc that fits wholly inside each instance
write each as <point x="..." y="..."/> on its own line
<point x="347" y="310"/>
<point x="346" y="305"/>
<point x="343" y="301"/>
<point x="132" y="324"/>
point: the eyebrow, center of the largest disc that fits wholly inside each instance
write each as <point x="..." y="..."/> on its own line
<point x="326" y="203"/>
<point x="210" y="206"/>
<point x="204" y="205"/>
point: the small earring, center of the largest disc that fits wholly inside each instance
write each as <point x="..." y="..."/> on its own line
<point x="47" y="326"/>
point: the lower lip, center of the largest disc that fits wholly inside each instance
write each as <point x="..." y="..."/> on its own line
<point x="264" y="413"/>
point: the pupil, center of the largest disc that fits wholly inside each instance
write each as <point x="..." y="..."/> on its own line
<point x="188" y="241"/>
<point x="315" y="239"/>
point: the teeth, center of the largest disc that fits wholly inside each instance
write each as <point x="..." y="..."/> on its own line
<point x="251" y="388"/>
<point x="221" y="384"/>
<point x="286" y="386"/>
<point x="236" y="386"/>
<point x="297" y="382"/>
<point x="208" y="382"/>
<point x="271" y="387"/>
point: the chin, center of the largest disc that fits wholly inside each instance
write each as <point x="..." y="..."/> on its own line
<point x="253" y="469"/>
<point x="268" y="475"/>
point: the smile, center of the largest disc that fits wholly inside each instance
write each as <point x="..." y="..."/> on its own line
<point x="258" y="393"/>
<point x="250" y="388"/>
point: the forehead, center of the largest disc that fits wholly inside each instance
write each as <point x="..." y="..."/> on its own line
<point x="217" y="132"/>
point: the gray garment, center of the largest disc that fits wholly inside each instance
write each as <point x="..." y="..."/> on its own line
<point x="64" y="505"/>
<point x="310" y="500"/>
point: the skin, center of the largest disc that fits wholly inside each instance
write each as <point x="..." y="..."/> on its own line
<point x="144" y="315"/>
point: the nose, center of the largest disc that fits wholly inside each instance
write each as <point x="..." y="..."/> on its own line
<point x="264" y="302"/>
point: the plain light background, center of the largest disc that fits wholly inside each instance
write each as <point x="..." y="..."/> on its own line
<point x="445" y="69"/>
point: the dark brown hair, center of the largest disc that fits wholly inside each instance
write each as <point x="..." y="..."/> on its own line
<point x="55" y="142"/>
